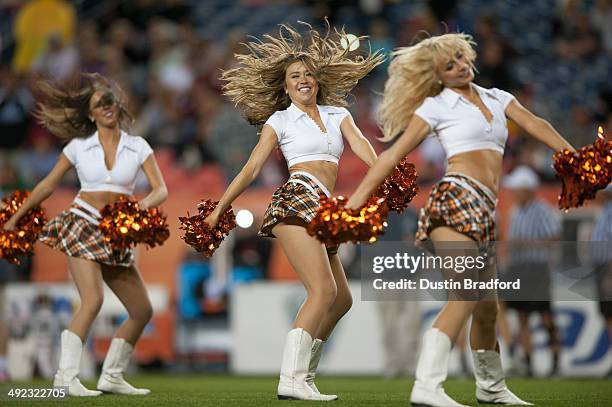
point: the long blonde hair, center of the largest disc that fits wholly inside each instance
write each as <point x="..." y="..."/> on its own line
<point x="413" y="77"/>
<point x="63" y="108"/>
<point x="257" y="85"/>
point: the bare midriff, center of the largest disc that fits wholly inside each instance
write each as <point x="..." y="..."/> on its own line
<point x="324" y="171"/>
<point x="482" y="165"/>
<point x="99" y="199"/>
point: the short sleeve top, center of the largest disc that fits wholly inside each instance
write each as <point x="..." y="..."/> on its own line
<point x="301" y="139"/>
<point x="461" y="126"/>
<point x="87" y="156"/>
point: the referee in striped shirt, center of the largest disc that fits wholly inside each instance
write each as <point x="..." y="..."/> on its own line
<point x="602" y="259"/>
<point x="532" y="221"/>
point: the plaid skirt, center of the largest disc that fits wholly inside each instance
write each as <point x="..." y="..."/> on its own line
<point x="296" y="203"/>
<point x="462" y="203"/>
<point x="76" y="233"/>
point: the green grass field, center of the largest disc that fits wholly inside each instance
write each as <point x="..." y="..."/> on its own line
<point x="209" y="390"/>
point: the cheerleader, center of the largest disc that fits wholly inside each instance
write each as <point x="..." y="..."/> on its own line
<point x="296" y="88"/>
<point x="430" y="92"/>
<point x="89" y="115"/>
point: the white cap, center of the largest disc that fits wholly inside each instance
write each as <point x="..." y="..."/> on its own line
<point x="522" y="177"/>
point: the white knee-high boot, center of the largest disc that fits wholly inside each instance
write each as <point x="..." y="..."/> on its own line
<point x="294" y="368"/>
<point x="490" y="380"/>
<point x="315" y="357"/>
<point x="431" y="372"/>
<point x="71" y="349"/>
<point x="117" y="360"/>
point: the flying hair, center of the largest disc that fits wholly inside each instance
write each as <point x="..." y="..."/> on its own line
<point x="413" y="77"/>
<point x="257" y="85"/>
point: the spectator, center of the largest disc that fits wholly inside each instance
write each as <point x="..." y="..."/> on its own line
<point x="15" y="104"/>
<point x="575" y="37"/>
<point x="58" y="61"/>
<point x="600" y="19"/>
<point x="10" y="180"/>
<point x="130" y="42"/>
<point x="228" y="140"/>
<point x="444" y="10"/>
<point x="579" y="126"/>
<point x="603" y="109"/>
<point x="206" y="104"/>
<point x="166" y="119"/>
<point x="89" y="45"/>
<point x="418" y="24"/>
<point x="38" y="160"/>
<point x="139" y="13"/>
<point x="169" y="57"/>
<point x="486" y="27"/>
<point x="493" y="69"/>
<point x="50" y="17"/>
<point x="380" y="38"/>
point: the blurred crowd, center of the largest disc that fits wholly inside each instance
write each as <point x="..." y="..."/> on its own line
<point x="555" y="56"/>
<point x="167" y="56"/>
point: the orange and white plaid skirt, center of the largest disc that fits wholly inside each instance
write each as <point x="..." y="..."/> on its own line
<point x="76" y="233"/>
<point x="462" y="203"/>
<point x="296" y="202"/>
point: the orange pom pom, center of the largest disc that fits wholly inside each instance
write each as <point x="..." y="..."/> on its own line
<point x="399" y="188"/>
<point x="199" y="235"/>
<point x="19" y="242"/>
<point x="584" y="171"/>
<point x="125" y="225"/>
<point x="334" y="224"/>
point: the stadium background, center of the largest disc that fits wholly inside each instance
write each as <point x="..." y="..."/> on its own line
<point x="555" y="56"/>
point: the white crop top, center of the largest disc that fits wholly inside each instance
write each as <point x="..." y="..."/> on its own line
<point x="301" y="139"/>
<point x="87" y="156"/>
<point x="461" y="126"/>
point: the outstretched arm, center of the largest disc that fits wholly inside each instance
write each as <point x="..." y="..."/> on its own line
<point x="159" y="192"/>
<point x="414" y="134"/>
<point x="359" y="144"/>
<point x="248" y="174"/>
<point x="41" y="191"/>
<point x="536" y="127"/>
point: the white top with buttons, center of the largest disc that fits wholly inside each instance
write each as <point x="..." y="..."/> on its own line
<point x="301" y="139"/>
<point x="87" y="156"/>
<point x="461" y="126"/>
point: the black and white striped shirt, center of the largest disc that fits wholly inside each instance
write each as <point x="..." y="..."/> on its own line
<point x="602" y="232"/>
<point x="532" y="222"/>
